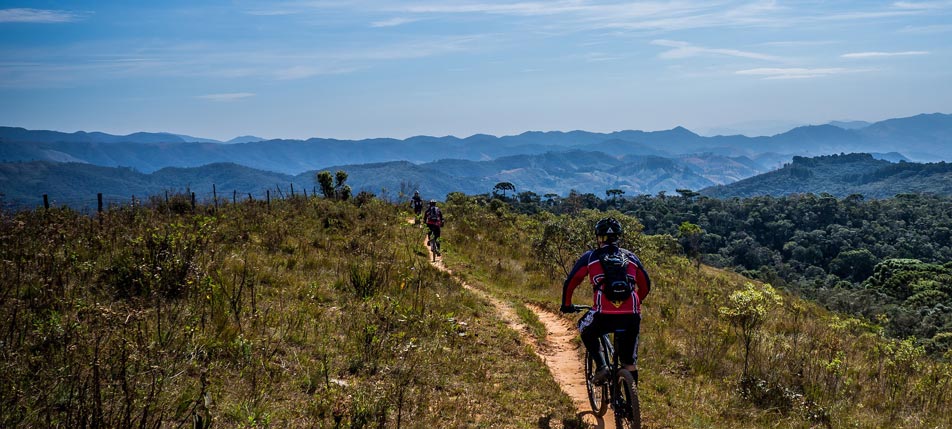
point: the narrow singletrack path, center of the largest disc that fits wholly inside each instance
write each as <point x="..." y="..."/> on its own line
<point x="559" y="350"/>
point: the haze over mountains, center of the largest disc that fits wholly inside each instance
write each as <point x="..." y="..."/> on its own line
<point x="543" y="162"/>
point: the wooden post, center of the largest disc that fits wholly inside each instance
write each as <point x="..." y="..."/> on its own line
<point x="268" y="193"/>
<point x="305" y="193"/>
<point x="46" y="201"/>
<point x="215" y="196"/>
<point x="99" y="197"/>
<point x="234" y="196"/>
<point x="193" y="201"/>
<point x="166" y="197"/>
<point x="292" y="190"/>
<point x="250" y="198"/>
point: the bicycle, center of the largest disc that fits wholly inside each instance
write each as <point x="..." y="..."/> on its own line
<point x="619" y="392"/>
<point x="434" y="244"/>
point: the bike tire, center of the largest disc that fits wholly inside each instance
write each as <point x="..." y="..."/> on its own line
<point x="629" y="416"/>
<point x="597" y="395"/>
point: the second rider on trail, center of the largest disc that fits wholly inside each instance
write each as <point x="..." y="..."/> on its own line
<point x="434" y="221"/>
<point x="620" y="283"/>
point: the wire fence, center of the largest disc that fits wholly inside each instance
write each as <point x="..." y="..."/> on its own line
<point x="100" y="201"/>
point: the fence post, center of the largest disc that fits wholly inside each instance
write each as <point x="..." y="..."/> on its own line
<point x="46" y="201"/>
<point x="193" y="201"/>
<point x="292" y="190"/>
<point x="305" y="193"/>
<point x="268" y="193"/>
<point x="250" y="198"/>
<point x="234" y="196"/>
<point x="215" y="196"/>
<point x="99" y="198"/>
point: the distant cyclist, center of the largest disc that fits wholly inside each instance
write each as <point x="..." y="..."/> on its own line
<point x="620" y="283"/>
<point x="434" y="221"/>
<point x="417" y="204"/>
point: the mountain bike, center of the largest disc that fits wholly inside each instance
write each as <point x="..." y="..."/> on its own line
<point x="434" y="244"/>
<point x="620" y="392"/>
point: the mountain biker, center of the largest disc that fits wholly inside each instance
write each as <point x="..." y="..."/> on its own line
<point x="609" y="316"/>
<point x="434" y="221"/>
<point x="417" y="204"/>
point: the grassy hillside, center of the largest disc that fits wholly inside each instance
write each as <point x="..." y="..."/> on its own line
<point x="314" y="313"/>
<point x="807" y="367"/>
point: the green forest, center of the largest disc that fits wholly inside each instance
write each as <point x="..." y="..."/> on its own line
<point x="326" y="312"/>
<point x="888" y="260"/>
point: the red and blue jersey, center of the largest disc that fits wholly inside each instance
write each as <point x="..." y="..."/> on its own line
<point x="588" y="265"/>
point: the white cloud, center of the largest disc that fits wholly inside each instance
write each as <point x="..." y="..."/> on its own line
<point x="882" y="54"/>
<point x="794" y="72"/>
<point x="686" y="50"/>
<point x="392" y="22"/>
<point x="38" y="16"/>
<point x="923" y="5"/>
<point x="228" y="96"/>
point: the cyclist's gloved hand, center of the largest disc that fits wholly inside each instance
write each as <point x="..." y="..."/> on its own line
<point x="568" y="309"/>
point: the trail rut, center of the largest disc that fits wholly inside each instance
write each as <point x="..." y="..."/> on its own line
<point x="559" y="351"/>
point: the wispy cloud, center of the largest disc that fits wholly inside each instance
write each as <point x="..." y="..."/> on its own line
<point x="228" y="96"/>
<point x="794" y="73"/>
<point x="686" y="50"/>
<point x="39" y="16"/>
<point x="392" y="22"/>
<point x="923" y="5"/>
<point x="883" y="54"/>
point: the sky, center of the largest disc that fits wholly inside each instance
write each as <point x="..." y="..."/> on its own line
<point x="375" y="68"/>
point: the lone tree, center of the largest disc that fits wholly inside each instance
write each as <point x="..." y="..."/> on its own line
<point x="748" y="309"/>
<point x="503" y="186"/>
<point x="614" y="194"/>
<point x="332" y="190"/>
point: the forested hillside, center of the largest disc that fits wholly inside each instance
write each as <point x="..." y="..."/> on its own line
<point x="320" y="313"/>
<point x="843" y="175"/>
<point x="888" y="260"/>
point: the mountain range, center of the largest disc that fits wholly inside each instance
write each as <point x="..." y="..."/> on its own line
<point x="73" y="166"/>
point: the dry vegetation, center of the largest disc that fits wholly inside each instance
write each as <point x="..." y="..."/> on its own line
<point x="316" y="313"/>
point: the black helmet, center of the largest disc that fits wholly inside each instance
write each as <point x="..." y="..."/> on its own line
<point x="416" y="192"/>
<point x="608" y="226"/>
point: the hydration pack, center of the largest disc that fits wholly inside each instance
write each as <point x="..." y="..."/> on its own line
<point x="615" y="284"/>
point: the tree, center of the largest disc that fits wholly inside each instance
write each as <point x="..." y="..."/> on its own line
<point x="691" y="240"/>
<point x="503" y="186"/>
<point x="614" y="194"/>
<point x="747" y="310"/>
<point x="687" y="193"/>
<point x="332" y="190"/>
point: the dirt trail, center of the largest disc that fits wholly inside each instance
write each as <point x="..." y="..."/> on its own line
<point x="558" y="351"/>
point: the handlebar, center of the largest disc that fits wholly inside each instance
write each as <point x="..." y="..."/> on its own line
<point x="577" y="308"/>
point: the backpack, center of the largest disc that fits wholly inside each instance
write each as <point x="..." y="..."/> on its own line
<point x="615" y="284"/>
<point x="434" y="216"/>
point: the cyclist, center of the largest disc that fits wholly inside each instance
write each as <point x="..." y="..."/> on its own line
<point x="417" y="204"/>
<point x="434" y="221"/>
<point x="606" y="315"/>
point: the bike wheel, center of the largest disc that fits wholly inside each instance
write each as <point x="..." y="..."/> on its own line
<point x="597" y="395"/>
<point x="629" y="416"/>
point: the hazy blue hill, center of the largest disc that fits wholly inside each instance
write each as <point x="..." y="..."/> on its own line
<point x="77" y="184"/>
<point x="245" y="139"/>
<point x="849" y="125"/>
<point x="389" y="179"/>
<point x="843" y="175"/>
<point x="928" y="138"/>
<point x="14" y="134"/>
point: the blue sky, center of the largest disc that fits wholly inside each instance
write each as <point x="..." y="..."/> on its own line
<point x="374" y="68"/>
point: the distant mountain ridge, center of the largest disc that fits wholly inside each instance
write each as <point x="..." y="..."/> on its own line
<point x="841" y="176"/>
<point x="924" y="137"/>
